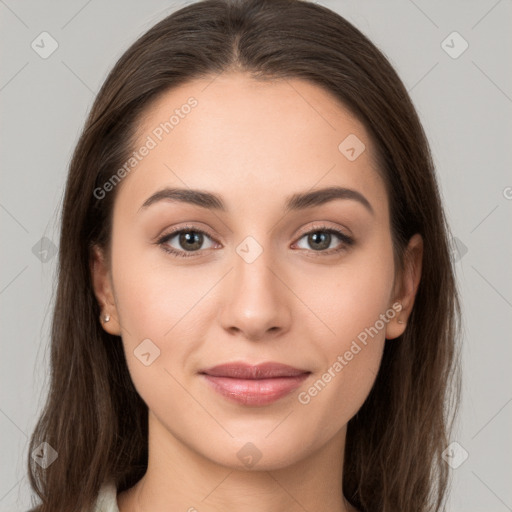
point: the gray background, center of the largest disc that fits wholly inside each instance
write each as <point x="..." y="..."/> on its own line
<point x="465" y="104"/>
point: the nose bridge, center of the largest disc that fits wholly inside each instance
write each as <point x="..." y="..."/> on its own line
<point x="256" y="301"/>
<point x="253" y="266"/>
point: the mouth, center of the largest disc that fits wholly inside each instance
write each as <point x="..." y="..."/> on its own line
<point x="254" y="385"/>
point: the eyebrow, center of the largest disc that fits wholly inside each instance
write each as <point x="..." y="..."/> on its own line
<point x="295" y="202"/>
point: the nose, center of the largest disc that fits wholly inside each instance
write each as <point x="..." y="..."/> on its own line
<point x="256" y="302"/>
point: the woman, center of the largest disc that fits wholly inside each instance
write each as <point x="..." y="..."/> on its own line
<point x="256" y="308"/>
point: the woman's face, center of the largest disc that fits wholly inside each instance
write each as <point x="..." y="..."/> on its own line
<point x="266" y="282"/>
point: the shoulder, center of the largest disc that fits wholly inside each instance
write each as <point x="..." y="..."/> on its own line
<point x="107" y="499"/>
<point x="105" y="502"/>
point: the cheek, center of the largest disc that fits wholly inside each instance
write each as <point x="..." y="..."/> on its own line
<point x="161" y="307"/>
<point x="155" y="309"/>
<point x="351" y="359"/>
<point x="350" y="297"/>
<point x="336" y="395"/>
<point x="353" y="304"/>
<point x="153" y="293"/>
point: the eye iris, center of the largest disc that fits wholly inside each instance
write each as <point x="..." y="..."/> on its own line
<point x="193" y="236"/>
<point x="319" y="236"/>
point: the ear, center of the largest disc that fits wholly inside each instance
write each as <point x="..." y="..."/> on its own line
<point x="407" y="286"/>
<point x="103" y="289"/>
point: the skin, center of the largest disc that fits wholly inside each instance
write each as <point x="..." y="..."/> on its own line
<point x="254" y="143"/>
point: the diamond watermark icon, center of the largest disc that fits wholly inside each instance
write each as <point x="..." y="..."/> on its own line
<point x="249" y="249"/>
<point x="44" y="455"/>
<point x="454" y="45"/>
<point x="249" y="454"/>
<point x="44" y="45"/>
<point x="44" y="249"/>
<point x="454" y="455"/>
<point x="457" y="249"/>
<point x="146" y="352"/>
<point x="351" y="147"/>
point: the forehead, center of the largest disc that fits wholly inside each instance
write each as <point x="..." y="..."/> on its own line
<point x="248" y="140"/>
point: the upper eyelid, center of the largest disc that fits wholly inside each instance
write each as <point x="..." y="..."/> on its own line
<point x="186" y="228"/>
<point x="321" y="226"/>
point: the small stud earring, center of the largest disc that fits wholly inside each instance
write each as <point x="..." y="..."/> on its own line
<point x="401" y="322"/>
<point x="106" y="318"/>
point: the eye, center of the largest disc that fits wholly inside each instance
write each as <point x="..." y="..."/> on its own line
<point x="189" y="238"/>
<point x="320" y="238"/>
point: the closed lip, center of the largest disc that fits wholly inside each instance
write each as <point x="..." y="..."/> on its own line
<point x="241" y="370"/>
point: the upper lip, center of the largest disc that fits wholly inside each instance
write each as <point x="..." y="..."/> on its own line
<point x="243" y="370"/>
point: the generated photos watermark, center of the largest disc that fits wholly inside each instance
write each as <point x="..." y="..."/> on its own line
<point x="152" y="140"/>
<point x="342" y="360"/>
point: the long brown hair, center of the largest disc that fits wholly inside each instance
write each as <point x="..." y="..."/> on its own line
<point x="94" y="417"/>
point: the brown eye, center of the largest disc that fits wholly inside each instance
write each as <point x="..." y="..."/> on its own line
<point x="320" y="239"/>
<point x="188" y="240"/>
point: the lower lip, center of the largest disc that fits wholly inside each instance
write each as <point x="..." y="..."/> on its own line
<point x="255" y="391"/>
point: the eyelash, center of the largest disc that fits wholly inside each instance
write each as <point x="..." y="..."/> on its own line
<point x="346" y="240"/>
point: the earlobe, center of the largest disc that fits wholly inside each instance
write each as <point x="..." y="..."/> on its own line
<point x="102" y="284"/>
<point x="407" y="286"/>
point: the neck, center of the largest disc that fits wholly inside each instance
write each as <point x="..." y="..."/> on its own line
<point x="179" y="478"/>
